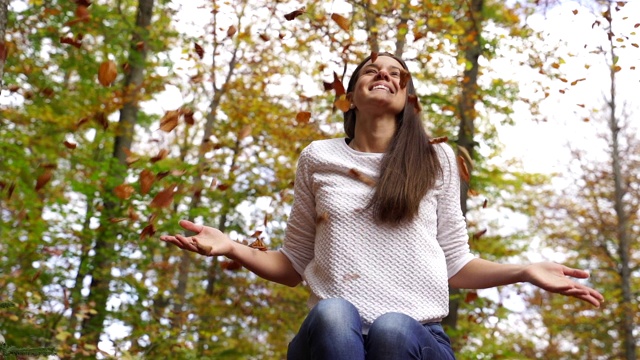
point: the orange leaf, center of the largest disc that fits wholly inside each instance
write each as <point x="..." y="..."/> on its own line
<point x="161" y="155"/>
<point x="170" y="120"/>
<point x="256" y="234"/>
<point x="462" y="167"/>
<point x="107" y="72"/>
<point x="414" y="101"/>
<point x="123" y="191"/>
<point x="164" y="198"/>
<point x="438" y="140"/>
<point x="148" y="230"/>
<point x="337" y="85"/>
<point x="146" y="180"/>
<point x="230" y="265"/>
<point x="362" y="177"/>
<point x="374" y="57"/>
<point x="294" y="14"/>
<point x="258" y="244"/>
<point x="470" y="297"/>
<point x="188" y="116"/>
<point x="342" y="103"/>
<point x="231" y="31"/>
<point x="342" y="22"/>
<point x="303" y="117"/>
<point x="324" y="217"/>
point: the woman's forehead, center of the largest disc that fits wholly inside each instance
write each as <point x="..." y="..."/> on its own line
<point x="384" y="60"/>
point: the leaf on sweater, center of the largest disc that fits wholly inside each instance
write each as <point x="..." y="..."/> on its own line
<point x="324" y="217"/>
<point x="438" y="140"/>
<point x="362" y="177"/>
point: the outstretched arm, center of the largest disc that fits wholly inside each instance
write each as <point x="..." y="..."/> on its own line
<point x="482" y="274"/>
<point x="208" y="241"/>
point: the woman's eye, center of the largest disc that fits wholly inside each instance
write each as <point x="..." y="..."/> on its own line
<point x="395" y="73"/>
<point x="370" y="71"/>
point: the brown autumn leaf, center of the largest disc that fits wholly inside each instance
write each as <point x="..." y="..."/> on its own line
<point x="188" y="116"/>
<point x="230" y="265"/>
<point x="462" y="151"/>
<point x="479" y="234"/>
<point x="107" y="72"/>
<point x="303" y="117"/>
<point x="484" y="203"/>
<point x="131" y="157"/>
<point x="264" y="37"/>
<point x="70" y="145"/>
<point x="43" y="179"/>
<point x="327" y="86"/>
<point x="132" y="214"/>
<point x="203" y="249"/>
<point x="199" y="50"/>
<point x="146" y="181"/>
<point x="102" y="120"/>
<point x="123" y="191"/>
<point x="244" y="132"/>
<point x="231" y="31"/>
<point x="337" y="85"/>
<point x="161" y="155"/>
<point x="575" y="12"/>
<point x="462" y="167"/>
<point x="80" y="123"/>
<point x="170" y="120"/>
<point x="324" y="217"/>
<point x="164" y="198"/>
<point x="413" y="99"/>
<point x="342" y="103"/>
<point x="405" y="76"/>
<point x="148" y="231"/>
<point x="374" y="56"/>
<point x="555" y="65"/>
<point x="470" y="297"/>
<point x="573" y="83"/>
<point x="70" y="41"/>
<point x="342" y="22"/>
<point x="438" y="140"/>
<point x="117" y="220"/>
<point x="362" y="177"/>
<point x="256" y="234"/>
<point x="258" y="244"/>
<point x="294" y="14"/>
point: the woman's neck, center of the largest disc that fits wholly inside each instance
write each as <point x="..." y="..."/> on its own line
<point x="373" y="134"/>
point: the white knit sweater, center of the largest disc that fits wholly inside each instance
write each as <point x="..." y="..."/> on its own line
<point x="340" y="251"/>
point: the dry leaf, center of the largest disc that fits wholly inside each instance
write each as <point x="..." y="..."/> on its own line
<point x="199" y="50"/>
<point x="462" y="167"/>
<point x="462" y="151"/>
<point x="374" y="57"/>
<point x="478" y="234"/>
<point x="484" y="204"/>
<point x="43" y="179"/>
<point x="337" y="85"/>
<point x="161" y="155"/>
<point x="230" y="265"/>
<point x="256" y="234"/>
<point x="413" y="99"/>
<point x="470" y="297"/>
<point x="294" y="14"/>
<point x="231" y="31"/>
<point x="342" y="22"/>
<point x="146" y="181"/>
<point x="107" y="72"/>
<point x="244" y="132"/>
<point x="102" y="120"/>
<point x="164" y="198"/>
<point x="188" y="116"/>
<point x="342" y="103"/>
<point x="70" y="145"/>
<point x="117" y="220"/>
<point x="362" y="177"/>
<point x="438" y="140"/>
<point x="170" y="120"/>
<point x="405" y="76"/>
<point x="148" y="230"/>
<point x="123" y="191"/>
<point x="258" y="244"/>
<point x="264" y="37"/>
<point x="324" y="217"/>
<point x="303" y="117"/>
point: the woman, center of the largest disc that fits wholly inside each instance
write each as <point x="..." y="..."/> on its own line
<point x="377" y="233"/>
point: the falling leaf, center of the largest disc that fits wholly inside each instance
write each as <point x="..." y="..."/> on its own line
<point x="132" y="214"/>
<point x="362" y="177"/>
<point x="405" y="76"/>
<point x="617" y="68"/>
<point x="131" y="157"/>
<point x="573" y="83"/>
<point x="470" y="297"/>
<point x="303" y="117"/>
<point x="199" y="50"/>
<point x="413" y="99"/>
<point x="342" y="22"/>
<point x="71" y="41"/>
<point x="244" y="132"/>
<point x="374" y="57"/>
<point x="462" y="167"/>
<point x="164" y="198"/>
<point x="146" y="181"/>
<point x="324" y="217"/>
<point x="328" y="86"/>
<point x="581" y="105"/>
<point x="148" y="231"/>
<point x="258" y="244"/>
<point x="484" y="203"/>
<point x="102" y="120"/>
<point x="170" y="120"/>
<point x="230" y="265"/>
<point x="188" y="116"/>
<point x="294" y="14"/>
<point x="161" y="155"/>
<point x="337" y="85"/>
<point x="117" y="220"/>
<point x="256" y="234"/>
<point x="574" y="12"/>
<point x="70" y="145"/>
<point x="478" y="234"/>
<point x="342" y="103"/>
<point x="438" y="140"/>
<point x="107" y="72"/>
<point x="231" y="31"/>
<point x="264" y="37"/>
<point x="462" y="151"/>
<point x="123" y="191"/>
<point x="43" y="179"/>
<point x="555" y="65"/>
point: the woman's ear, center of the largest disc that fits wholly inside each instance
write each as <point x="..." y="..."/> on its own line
<point x="350" y="99"/>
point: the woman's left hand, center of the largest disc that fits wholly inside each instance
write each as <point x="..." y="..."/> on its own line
<point x="554" y="278"/>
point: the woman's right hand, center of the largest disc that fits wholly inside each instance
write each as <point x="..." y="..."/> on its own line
<point x="207" y="241"/>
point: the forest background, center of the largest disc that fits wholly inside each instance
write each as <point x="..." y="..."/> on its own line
<point x="118" y="118"/>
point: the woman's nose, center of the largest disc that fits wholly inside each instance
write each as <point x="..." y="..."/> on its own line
<point x="384" y="74"/>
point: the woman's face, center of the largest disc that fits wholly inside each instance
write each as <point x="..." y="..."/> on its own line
<point x="378" y="87"/>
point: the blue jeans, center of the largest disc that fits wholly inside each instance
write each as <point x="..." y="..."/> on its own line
<point x="333" y="331"/>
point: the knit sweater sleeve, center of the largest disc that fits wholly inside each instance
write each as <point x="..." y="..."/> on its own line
<point x="452" y="230"/>
<point x="299" y="240"/>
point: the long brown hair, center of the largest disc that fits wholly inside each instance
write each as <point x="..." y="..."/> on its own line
<point x="410" y="166"/>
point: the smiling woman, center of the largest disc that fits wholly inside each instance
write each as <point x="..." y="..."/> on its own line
<point x="377" y="233"/>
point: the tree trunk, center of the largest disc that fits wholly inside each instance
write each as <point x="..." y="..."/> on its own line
<point x="472" y="49"/>
<point x="624" y="241"/>
<point x="100" y="268"/>
<point x="4" y="18"/>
